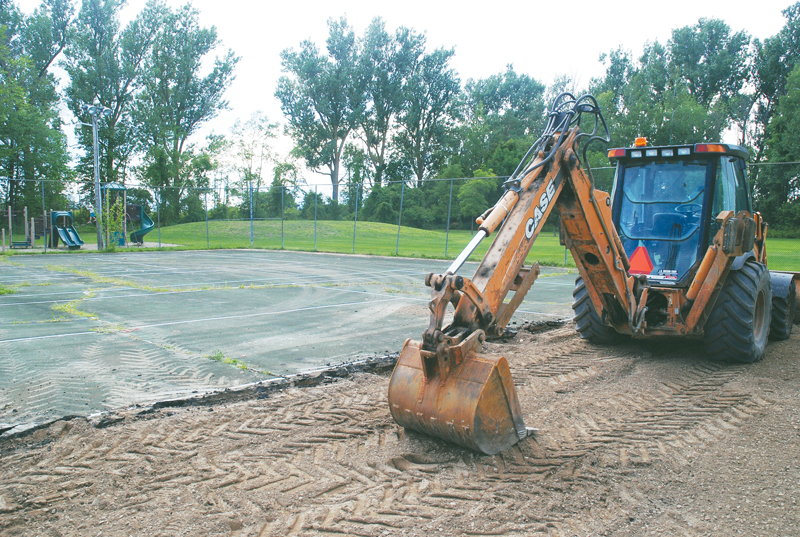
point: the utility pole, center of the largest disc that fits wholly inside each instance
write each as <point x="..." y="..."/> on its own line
<point x="95" y="111"/>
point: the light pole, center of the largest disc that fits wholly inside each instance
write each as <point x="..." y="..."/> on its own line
<point x="96" y="110"/>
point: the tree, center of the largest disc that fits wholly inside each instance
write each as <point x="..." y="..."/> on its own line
<point x="774" y="59"/>
<point x="474" y="196"/>
<point x="710" y="60"/>
<point x="387" y="63"/>
<point x="429" y="115"/>
<point x="714" y="65"/>
<point x="312" y="207"/>
<point x="32" y="145"/>
<point x="562" y="83"/>
<point x="250" y="143"/>
<point x="47" y="33"/>
<point x="647" y="98"/>
<point x="176" y="99"/>
<point x="323" y="99"/>
<point x="106" y="64"/>
<point x="778" y="187"/>
<point x="382" y="204"/>
<point x="286" y="180"/>
<point x="498" y="109"/>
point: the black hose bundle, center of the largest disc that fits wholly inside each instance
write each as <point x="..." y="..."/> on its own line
<point x="566" y="112"/>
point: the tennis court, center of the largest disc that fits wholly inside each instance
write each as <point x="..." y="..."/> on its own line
<point x="91" y="332"/>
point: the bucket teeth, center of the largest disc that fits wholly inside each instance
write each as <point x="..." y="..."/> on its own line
<point x="474" y="404"/>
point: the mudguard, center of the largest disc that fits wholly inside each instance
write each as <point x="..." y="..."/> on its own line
<point x="781" y="287"/>
<point x="739" y="261"/>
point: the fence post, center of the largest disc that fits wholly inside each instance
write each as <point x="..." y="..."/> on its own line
<point x="355" y="220"/>
<point x="251" y="214"/>
<point x="400" y="218"/>
<point x="208" y="241"/>
<point x="282" y="217"/>
<point x="44" y="220"/>
<point x="449" y="205"/>
<point x="107" y="219"/>
<point x="315" y="218"/>
<point x="158" y="216"/>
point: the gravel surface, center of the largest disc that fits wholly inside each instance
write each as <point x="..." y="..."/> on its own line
<point x="645" y="438"/>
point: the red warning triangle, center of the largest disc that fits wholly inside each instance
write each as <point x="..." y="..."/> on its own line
<point x="640" y="261"/>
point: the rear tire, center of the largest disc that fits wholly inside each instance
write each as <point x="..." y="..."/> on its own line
<point x="739" y="324"/>
<point x="587" y="322"/>
<point x="783" y="315"/>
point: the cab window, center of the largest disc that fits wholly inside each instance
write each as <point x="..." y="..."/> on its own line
<point x="659" y="214"/>
<point x="730" y="191"/>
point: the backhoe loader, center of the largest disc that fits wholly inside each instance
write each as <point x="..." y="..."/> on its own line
<point x="674" y="250"/>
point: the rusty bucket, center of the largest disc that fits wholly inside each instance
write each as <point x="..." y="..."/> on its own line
<point x="471" y="402"/>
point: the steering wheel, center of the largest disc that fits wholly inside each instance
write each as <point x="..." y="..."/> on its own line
<point x="690" y="208"/>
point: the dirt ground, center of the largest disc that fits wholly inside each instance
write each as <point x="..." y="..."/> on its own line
<point x="645" y="438"/>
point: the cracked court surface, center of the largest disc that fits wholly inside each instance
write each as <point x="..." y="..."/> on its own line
<point x="87" y="333"/>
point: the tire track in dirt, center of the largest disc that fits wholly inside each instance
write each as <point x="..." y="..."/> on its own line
<point x="10" y="368"/>
<point x="329" y="460"/>
<point x="35" y="386"/>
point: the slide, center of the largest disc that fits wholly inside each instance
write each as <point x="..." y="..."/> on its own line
<point x="146" y="222"/>
<point x="69" y="236"/>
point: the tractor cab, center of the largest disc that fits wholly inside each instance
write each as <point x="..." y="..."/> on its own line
<point x="665" y="203"/>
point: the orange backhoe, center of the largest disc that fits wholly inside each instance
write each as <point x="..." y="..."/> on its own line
<point x="675" y="250"/>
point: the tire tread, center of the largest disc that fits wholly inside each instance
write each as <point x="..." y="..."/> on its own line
<point x="782" y="316"/>
<point x="729" y="333"/>
<point x="588" y="322"/>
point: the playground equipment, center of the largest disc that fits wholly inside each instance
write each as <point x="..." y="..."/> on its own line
<point x="111" y="213"/>
<point x="30" y="229"/>
<point x="136" y="213"/>
<point x="69" y="236"/>
<point x="115" y="217"/>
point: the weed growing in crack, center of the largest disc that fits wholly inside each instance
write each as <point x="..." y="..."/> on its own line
<point x="110" y="329"/>
<point x="71" y="307"/>
<point x="97" y="278"/>
<point x="219" y="356"/>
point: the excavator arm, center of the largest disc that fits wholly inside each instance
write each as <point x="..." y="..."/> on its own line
<point x="590" y="235"/>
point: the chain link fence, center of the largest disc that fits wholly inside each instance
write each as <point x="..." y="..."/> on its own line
<point x="434" y="218"/>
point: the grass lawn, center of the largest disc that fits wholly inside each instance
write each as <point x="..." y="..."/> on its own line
<point x="783" y="254"/>
<point x="374" y="238"/>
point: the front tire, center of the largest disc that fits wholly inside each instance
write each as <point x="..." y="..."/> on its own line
<point x="739" y="324"/>
<point x="783" y="315"/>
<point x="587" y="322"/>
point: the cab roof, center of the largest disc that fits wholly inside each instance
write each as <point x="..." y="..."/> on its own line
<point x="667" y="151"/>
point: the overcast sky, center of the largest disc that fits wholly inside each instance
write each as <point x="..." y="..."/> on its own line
<point x="540" y="39"/>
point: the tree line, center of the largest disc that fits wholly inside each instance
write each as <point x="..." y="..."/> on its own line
<point x="382" y="115"/>
<point x="150" y="75"/>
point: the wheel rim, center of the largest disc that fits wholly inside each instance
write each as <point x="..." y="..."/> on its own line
<point x="760" y="316"/>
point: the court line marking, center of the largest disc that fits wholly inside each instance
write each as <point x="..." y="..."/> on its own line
<point x="205" y="319"/>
